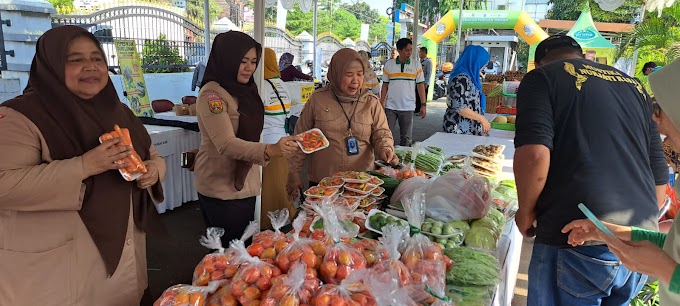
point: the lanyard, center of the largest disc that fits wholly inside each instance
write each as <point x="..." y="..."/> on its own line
<point x="349" y="118"/>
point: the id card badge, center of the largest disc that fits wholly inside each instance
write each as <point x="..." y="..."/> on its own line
<point x="352" y="145"/>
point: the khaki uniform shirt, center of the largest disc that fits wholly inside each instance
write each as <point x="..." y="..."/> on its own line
<point x="218" y="119"/>
<point x="369" y="126"/>
<point x="47" y="256"/>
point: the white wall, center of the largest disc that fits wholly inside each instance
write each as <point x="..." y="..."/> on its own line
<point x="171" y="86"/>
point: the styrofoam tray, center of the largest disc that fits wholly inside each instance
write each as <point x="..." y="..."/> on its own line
<point x="342" y="182"/>
<point x="326" y="144"/>
<point x="497" y="159"/>
<point x="306" y="193"/>
<point x="377" y="211"/>
<point x="367" y="192"/>
<point x="377" y="191"/>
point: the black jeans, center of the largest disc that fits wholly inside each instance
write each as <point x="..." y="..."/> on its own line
<point x="231" y="215"/>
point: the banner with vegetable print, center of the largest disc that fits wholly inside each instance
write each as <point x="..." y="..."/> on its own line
<point x="133" y="77"/>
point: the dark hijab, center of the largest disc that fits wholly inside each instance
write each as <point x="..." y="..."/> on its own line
<point x="71" y="127"/>
<point x="227" y="52"/>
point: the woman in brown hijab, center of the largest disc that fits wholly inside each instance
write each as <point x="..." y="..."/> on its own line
<point x="71" y="228"/>
<point x="231" y="116"/>
<point x="351" y="118"/>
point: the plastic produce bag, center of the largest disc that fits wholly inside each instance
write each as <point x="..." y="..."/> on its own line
<point x="351" y="291"/>
<point x="253" y="278"/>
<point x="186" y="295"/>
<point x="391" y="268"/>
<point x="268" y="243"/>
<point x="308" y="251"/>
<point x="372" y="250"/>
<point x="340" y="260"/>
<point x="471" y="295"/>
<point x="407" y="188"/>
<point x="472" y="268"/>
<point x="458" y="195"/>
<point x="295" y="288"/>
<point x="389" y="292"/>
<point x="222" y="297"/>
<point x="423" y="258"/>
<point x="222" y="264"/>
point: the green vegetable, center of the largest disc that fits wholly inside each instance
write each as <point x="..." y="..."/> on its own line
<point x="379" y="220"/>
<point x="461" y="225"/>
<point x="498" y="217"/>
<point x="470" y="295"/>
<point x="428" y="162"/>
<point x="471" y="267"/>
<point x="481" y="237"/>
<point x="390" y="184"/>
<point x="436" y="150"/>
<point x="490" y="224"/>
<point x="318" y="224"/>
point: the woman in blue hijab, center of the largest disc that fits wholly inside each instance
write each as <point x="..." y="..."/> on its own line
<point x="466" y="104"/>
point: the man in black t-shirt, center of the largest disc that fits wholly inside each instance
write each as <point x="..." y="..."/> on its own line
<point x="584" y="134"/>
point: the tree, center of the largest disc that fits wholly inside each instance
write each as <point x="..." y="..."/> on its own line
<point x="363" y="12"/>
<point x="195" y="10"/>
<point x="62" y="4"/>
<point x="656" y="38"/>
<point x="571" y="10"/>
<point x="344" y="24"/>
<point x="161" y="52"/>
<point x="378" y="31"/>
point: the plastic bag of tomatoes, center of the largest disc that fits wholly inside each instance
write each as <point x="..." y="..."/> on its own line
<point x="372" y="250"/>
<point x="305" y="250"/>
<point x="422" y="257"/>
<point x="222" y="297"/>
<point x="352" y="291"/>
<point x="295" y="288"/>
<point x="391" y="268"/>
<point x="268" y="243"/>
<point x="187" y="295"/>
<point x="340" y="259"/>
<point x="254" y="276"/>
<point x="222" y="264"/>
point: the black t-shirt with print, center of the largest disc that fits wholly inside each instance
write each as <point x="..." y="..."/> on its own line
<point x="605" y="148"/>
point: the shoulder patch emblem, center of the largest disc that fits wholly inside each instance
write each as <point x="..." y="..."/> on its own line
<point x="216" y="106"/>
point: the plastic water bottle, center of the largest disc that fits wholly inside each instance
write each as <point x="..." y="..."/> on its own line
<point x="671" y="176"/>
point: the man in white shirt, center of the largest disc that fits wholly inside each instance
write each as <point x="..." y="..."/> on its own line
<point x="401" y="77"/>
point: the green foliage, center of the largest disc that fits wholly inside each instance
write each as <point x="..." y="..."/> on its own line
<point x="344" y="24"/>
<point x="523" y="54"/>
<point x="162" y="52"/>
<point x="377" y="31"/>
<point x="63" y="4"/>
<point x="195" y="10"/>
<point x="571" y="10"/>
<point x="648" y="296"/>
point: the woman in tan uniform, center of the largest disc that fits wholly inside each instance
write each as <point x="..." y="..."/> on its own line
<point x="71" y="228"/>
<point x="350" y="117"/>
<point x="231" y="117"/>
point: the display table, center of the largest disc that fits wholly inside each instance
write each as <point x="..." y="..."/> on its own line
<point x="510" y="242"/>
<point x="178" y="186"/>
<point x="171" y="115"/>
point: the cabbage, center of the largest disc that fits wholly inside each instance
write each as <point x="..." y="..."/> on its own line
<point x="464" y="226"/>
<point x="481" y="237"/>
<point x="498" y="217"/>
<point x="488" y="223"/>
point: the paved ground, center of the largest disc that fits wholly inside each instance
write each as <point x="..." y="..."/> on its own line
<point x="172" y="258"/>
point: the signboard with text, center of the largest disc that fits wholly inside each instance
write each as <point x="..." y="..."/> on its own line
<point x="132" y="75"/>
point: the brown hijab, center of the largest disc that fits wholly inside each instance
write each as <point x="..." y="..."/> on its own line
<point x="227" y="52"/>
<point x="71" y="127"/>
<point x="339" y="64"/>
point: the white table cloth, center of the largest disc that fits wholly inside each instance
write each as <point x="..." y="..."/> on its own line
<point x="170" y="142"/>
<point x="510" y="242"/>
<point x="171" y="115"/>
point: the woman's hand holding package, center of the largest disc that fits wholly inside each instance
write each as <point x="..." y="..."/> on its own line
<point x="149" y="178"/>
<point x="103" y="158"/>
<point x="389" y="156"/>
<point x="286" y="146"/>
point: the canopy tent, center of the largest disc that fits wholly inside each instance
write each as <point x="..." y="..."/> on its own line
<point x="591" y="40"/>
<point x="225" y="25"/>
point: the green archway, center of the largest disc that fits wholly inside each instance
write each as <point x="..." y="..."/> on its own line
<point x="520" y="21"/>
